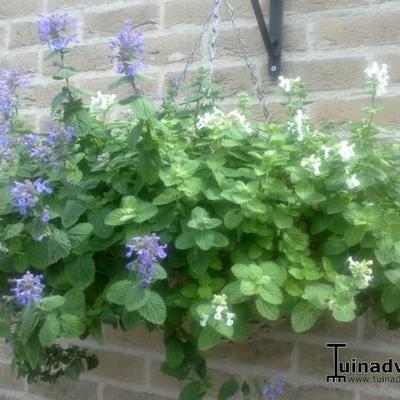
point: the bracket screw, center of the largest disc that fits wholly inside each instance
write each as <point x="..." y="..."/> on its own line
<point x="273" y="68"/>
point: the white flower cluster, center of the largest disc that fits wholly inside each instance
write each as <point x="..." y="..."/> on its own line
<point x="361" y="271"/>
<point x="287" y="84"/>
<point x="102" y="102"/>
<point x="3" y="249"/>
<point x="346" y="153"/>
<point x="217" y="119"/>
<point x="300" y="126"/>
<point x="312" y="162"/>
<point x="222" y="313"/>
<point x="379" y="77"/>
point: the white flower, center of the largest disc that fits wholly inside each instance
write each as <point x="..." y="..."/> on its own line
<point x="378" y="76"/>
<point x="353" y="182"/>
<point x="209" y="120"/>
<point x="346" y="151"/>
<point x="312" y="162"/>
<point x="241" y="119"/>
<point x="361" y="271"/>
<point x="218" y="316"/>
<point x="102" y="102"/>
<point x="203" y="320"/>
<point x="287" y="84"/>
<point x="326" y="151"/>
<point x="230" y="318"/>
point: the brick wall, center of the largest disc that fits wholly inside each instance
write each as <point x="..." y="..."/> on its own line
<point x="328" y="43"/>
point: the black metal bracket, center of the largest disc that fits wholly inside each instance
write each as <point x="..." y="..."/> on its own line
<point x="272" y="39"/>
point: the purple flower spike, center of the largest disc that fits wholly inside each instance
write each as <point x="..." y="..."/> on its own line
<point x="26" y="194"/>
<point x="28" y="289"/>
<point x="148" y="252"/>
<point x="57" y="30"/>
<point x="274" y="389"/>
<point x="46" y="215"/>
<point x="130" y="48"/>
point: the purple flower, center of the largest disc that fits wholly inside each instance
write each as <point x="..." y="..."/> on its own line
<point x="274" y="389"/>
<point x="148" y="251"/>
<point x="45" y="215"/>
<point x="26" y="194"/>
<point x="48" y="149"/>
<point x="130" y="49"/>
<point x="57" y="30"/>
<point x="28" y="289"/>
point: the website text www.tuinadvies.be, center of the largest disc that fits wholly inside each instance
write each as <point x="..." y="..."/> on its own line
<point x="360" y="371"/>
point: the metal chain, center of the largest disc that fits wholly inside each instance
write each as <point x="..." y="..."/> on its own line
<point x="212" y="22"/>
<point x="212" y="43"/>
<point x="249" y="63"/>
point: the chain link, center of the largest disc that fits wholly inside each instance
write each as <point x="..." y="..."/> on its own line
<point x="211" y="24"/>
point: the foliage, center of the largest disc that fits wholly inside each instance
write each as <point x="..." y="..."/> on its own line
<point x="262" y="222"/>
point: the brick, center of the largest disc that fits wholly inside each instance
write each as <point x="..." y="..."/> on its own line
<point x="41" y="95"/>
<point x="3" y="37"/>
<point x="343" y="110"/>
<point x="8" y="379"/>
<point x="113" y="393"/>
<point x="6" y="352"/>
<point x="143" y="17"/>
<point x="263" y="352"/>
<point x="170" y="48"/>
<point x="121" y="367"/>
<point x="365" y="396"/>
<point x="307" y="6"/>
<point x="55" y="5"/>
<point x="329" y="327"/>
<point x="294" y="39"/>
<point x="162" y="381"/>
<point x="140" y="337"/>
<point x="335" y="74"/>
<point x="23" y="34"/>
<point x="377" y="331"/>
<point x="197" y="11"/>
<point x="19" y="8"/>
<point x="317" y="393"/>
<point x="358" y="30"/>
<point x="84" y="58"/>
<point x="30" y="61"/>
<point x="65" y="389"/>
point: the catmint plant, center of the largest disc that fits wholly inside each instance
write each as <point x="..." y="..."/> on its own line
<point x="57" y="31"/>
<point x="28" y="289"/>
<point x="147" y="251"/>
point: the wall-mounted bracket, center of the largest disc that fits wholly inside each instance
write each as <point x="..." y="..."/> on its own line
<point x="272" y="39"/>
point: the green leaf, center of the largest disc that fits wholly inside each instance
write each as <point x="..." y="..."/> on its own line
<point x="334" y="246"/>
<point x="71" y="325"/>
<point x="304" y="190"/>
<point x="192" y="391"/>
<point x="74" y="302"/>
<point x="174" y="353"/>
<point x="96" y="218"/>
<point x="208" y="338"/>
<point x="267" y="310"/>
<point x="185" y="240"/>
<point x="13" y="230"/>
<point x="81" y="271"/>
<point x="390" y="299"/>
<point x="58" y="246"/>
<point x="271" y="293"/>
<point x="49" y="331"/>
<point x="74" y="370"/>
<point x="136" y="297"/>
<point x="116" y="293"/>
<point x="120" y="216"/>
<point x="228" y="389"/>
<point x="393" y="275"/>
<point x="79" y="233"/>
<point x="64" y="73"/>
<point x="233" y="218"/>
<point x="73" y="210"/>
<point x="29" y="319"/>
<point x="220" y="240"/>
<point x="303" y="317"/>
<point x="248" y="288"/>
<point x="142" y="106"/>
<point x="274" y="271"/>
<point x="167" y="196"/>
<point x="204" y="239"/>
<point x="344" y="310"/>
<point x="281" y="219"/>
<point x="318" y="294"/>
<point x="155" y="310"/>
<point x="51" y="303"/>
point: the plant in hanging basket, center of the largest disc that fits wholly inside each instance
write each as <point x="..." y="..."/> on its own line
<point x="187" y="218"/>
